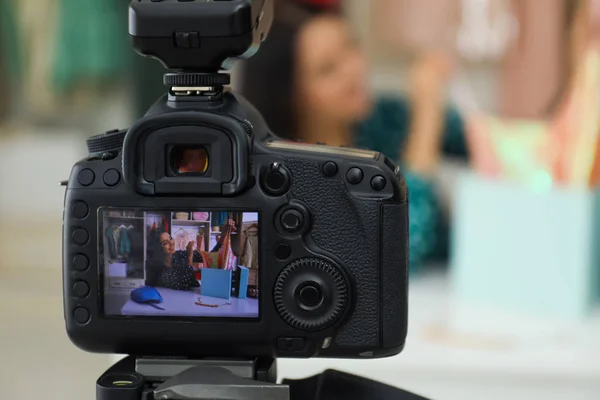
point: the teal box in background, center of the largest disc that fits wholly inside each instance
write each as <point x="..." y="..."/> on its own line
<point x="216" y="283"/>
<point x="524" y="251"/>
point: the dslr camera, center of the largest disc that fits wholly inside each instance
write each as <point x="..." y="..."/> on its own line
<point x="197" y="232"/>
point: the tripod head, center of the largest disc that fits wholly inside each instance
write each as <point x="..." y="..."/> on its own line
<point x="196" y="39"/>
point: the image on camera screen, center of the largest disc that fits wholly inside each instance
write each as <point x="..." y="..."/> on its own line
<point x="190" y="263"/>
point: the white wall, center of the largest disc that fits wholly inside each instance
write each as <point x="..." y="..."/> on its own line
<point x="31" y="201"/>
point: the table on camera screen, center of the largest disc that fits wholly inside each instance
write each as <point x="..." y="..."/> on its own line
<point x="183" y="304"/>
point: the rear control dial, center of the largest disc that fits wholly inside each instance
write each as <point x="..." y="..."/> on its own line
<point x="311" y="294"/>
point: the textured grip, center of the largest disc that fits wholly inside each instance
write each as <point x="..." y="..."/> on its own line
<point x="347" y="228"/>
<point x="394" y="274"/>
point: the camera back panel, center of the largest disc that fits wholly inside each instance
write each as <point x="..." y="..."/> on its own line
<point x="332" y="260"/>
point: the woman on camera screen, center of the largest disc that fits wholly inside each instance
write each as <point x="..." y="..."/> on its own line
<point x="309" y="81"/>
<point x="173" y="269"/>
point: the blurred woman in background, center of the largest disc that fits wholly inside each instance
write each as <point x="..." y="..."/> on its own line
<point x="309" y="81"/>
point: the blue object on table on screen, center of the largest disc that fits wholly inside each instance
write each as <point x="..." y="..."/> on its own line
<point x="216" y="283"/>
<point x="147" y="295"/>
<point x="243" y="283"/>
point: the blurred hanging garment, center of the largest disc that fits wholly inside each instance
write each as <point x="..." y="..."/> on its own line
<point x="35" y="31"/>
<point x="226" y="255"/>
<point x="93" y="44"/>
<point x="64" y="47"/>
<point x="577" y="126"/>
<point x="487" y="28"/>
<point x="182" y="238"/>
<point x="250" y="255"/>
<point x="534" y="69"/>
<point x="416" y="25"/>
<point x="9" y="57"/>
<point x="562" y="150"/>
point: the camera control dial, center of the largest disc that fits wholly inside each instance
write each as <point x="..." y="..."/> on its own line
<point x="108" y="142"/>
<point x="188" y="79"/>
<point x="311" y="294"/>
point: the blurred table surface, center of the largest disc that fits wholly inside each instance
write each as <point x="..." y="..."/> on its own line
<point x="439" y="362"/>
<point x="531" y="359"/>
<point x="37" y="360"/>
<point x="443" y="360"/>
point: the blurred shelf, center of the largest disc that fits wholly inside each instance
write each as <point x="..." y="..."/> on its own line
<point x="188" y="222"/>
<point x="116" y="217"/>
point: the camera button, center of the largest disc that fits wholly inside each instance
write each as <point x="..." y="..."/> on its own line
<point x="80" y="210"/>
<point x="81" y="263"/>
<point x="109" y="155"/>
<point x="81" y="289"/>
<point x="80" y="236"/>
<point x="355" y="175"/>
<point x="330" y="169"/>
<point x="86" y="177"/>
<point x="81" y="315"/>
<point x="112" y="177"/>
<point x="292" y="221"/>
<point x="276" y="180"/>
<point x="283" y="251"/>
<point x="290" y="344"/>
<point x="378" y="183"/>
<point x="310" y="297"/>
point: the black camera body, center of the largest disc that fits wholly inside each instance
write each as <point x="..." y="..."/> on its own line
<point x="300" y="250"/>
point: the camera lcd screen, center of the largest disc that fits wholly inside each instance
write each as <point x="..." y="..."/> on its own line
<point x="179" y="263"/>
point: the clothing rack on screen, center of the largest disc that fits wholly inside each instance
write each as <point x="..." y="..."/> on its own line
<point x="124" y="249"/>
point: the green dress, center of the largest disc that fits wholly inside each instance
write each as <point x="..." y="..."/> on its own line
<point x="386" y="131"/>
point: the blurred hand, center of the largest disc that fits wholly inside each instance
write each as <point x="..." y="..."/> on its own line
<point x="231" y="224"/>
<point x="190" y="252"/>
<point x="429" y="79"/>
<point x="430" y="74"/>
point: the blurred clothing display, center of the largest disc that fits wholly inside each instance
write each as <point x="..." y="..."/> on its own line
<point x="250" y="247"/>
<point x="37" y="23"/>
<point x="558" y="150"/>
<point x="487" y="28"/>
<point x="70" y="62"/>
<point x="9" y="66"/>
<point x="9" y="37"/>
<point x="64" y="46"/>
<point x="92" y="42"/>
